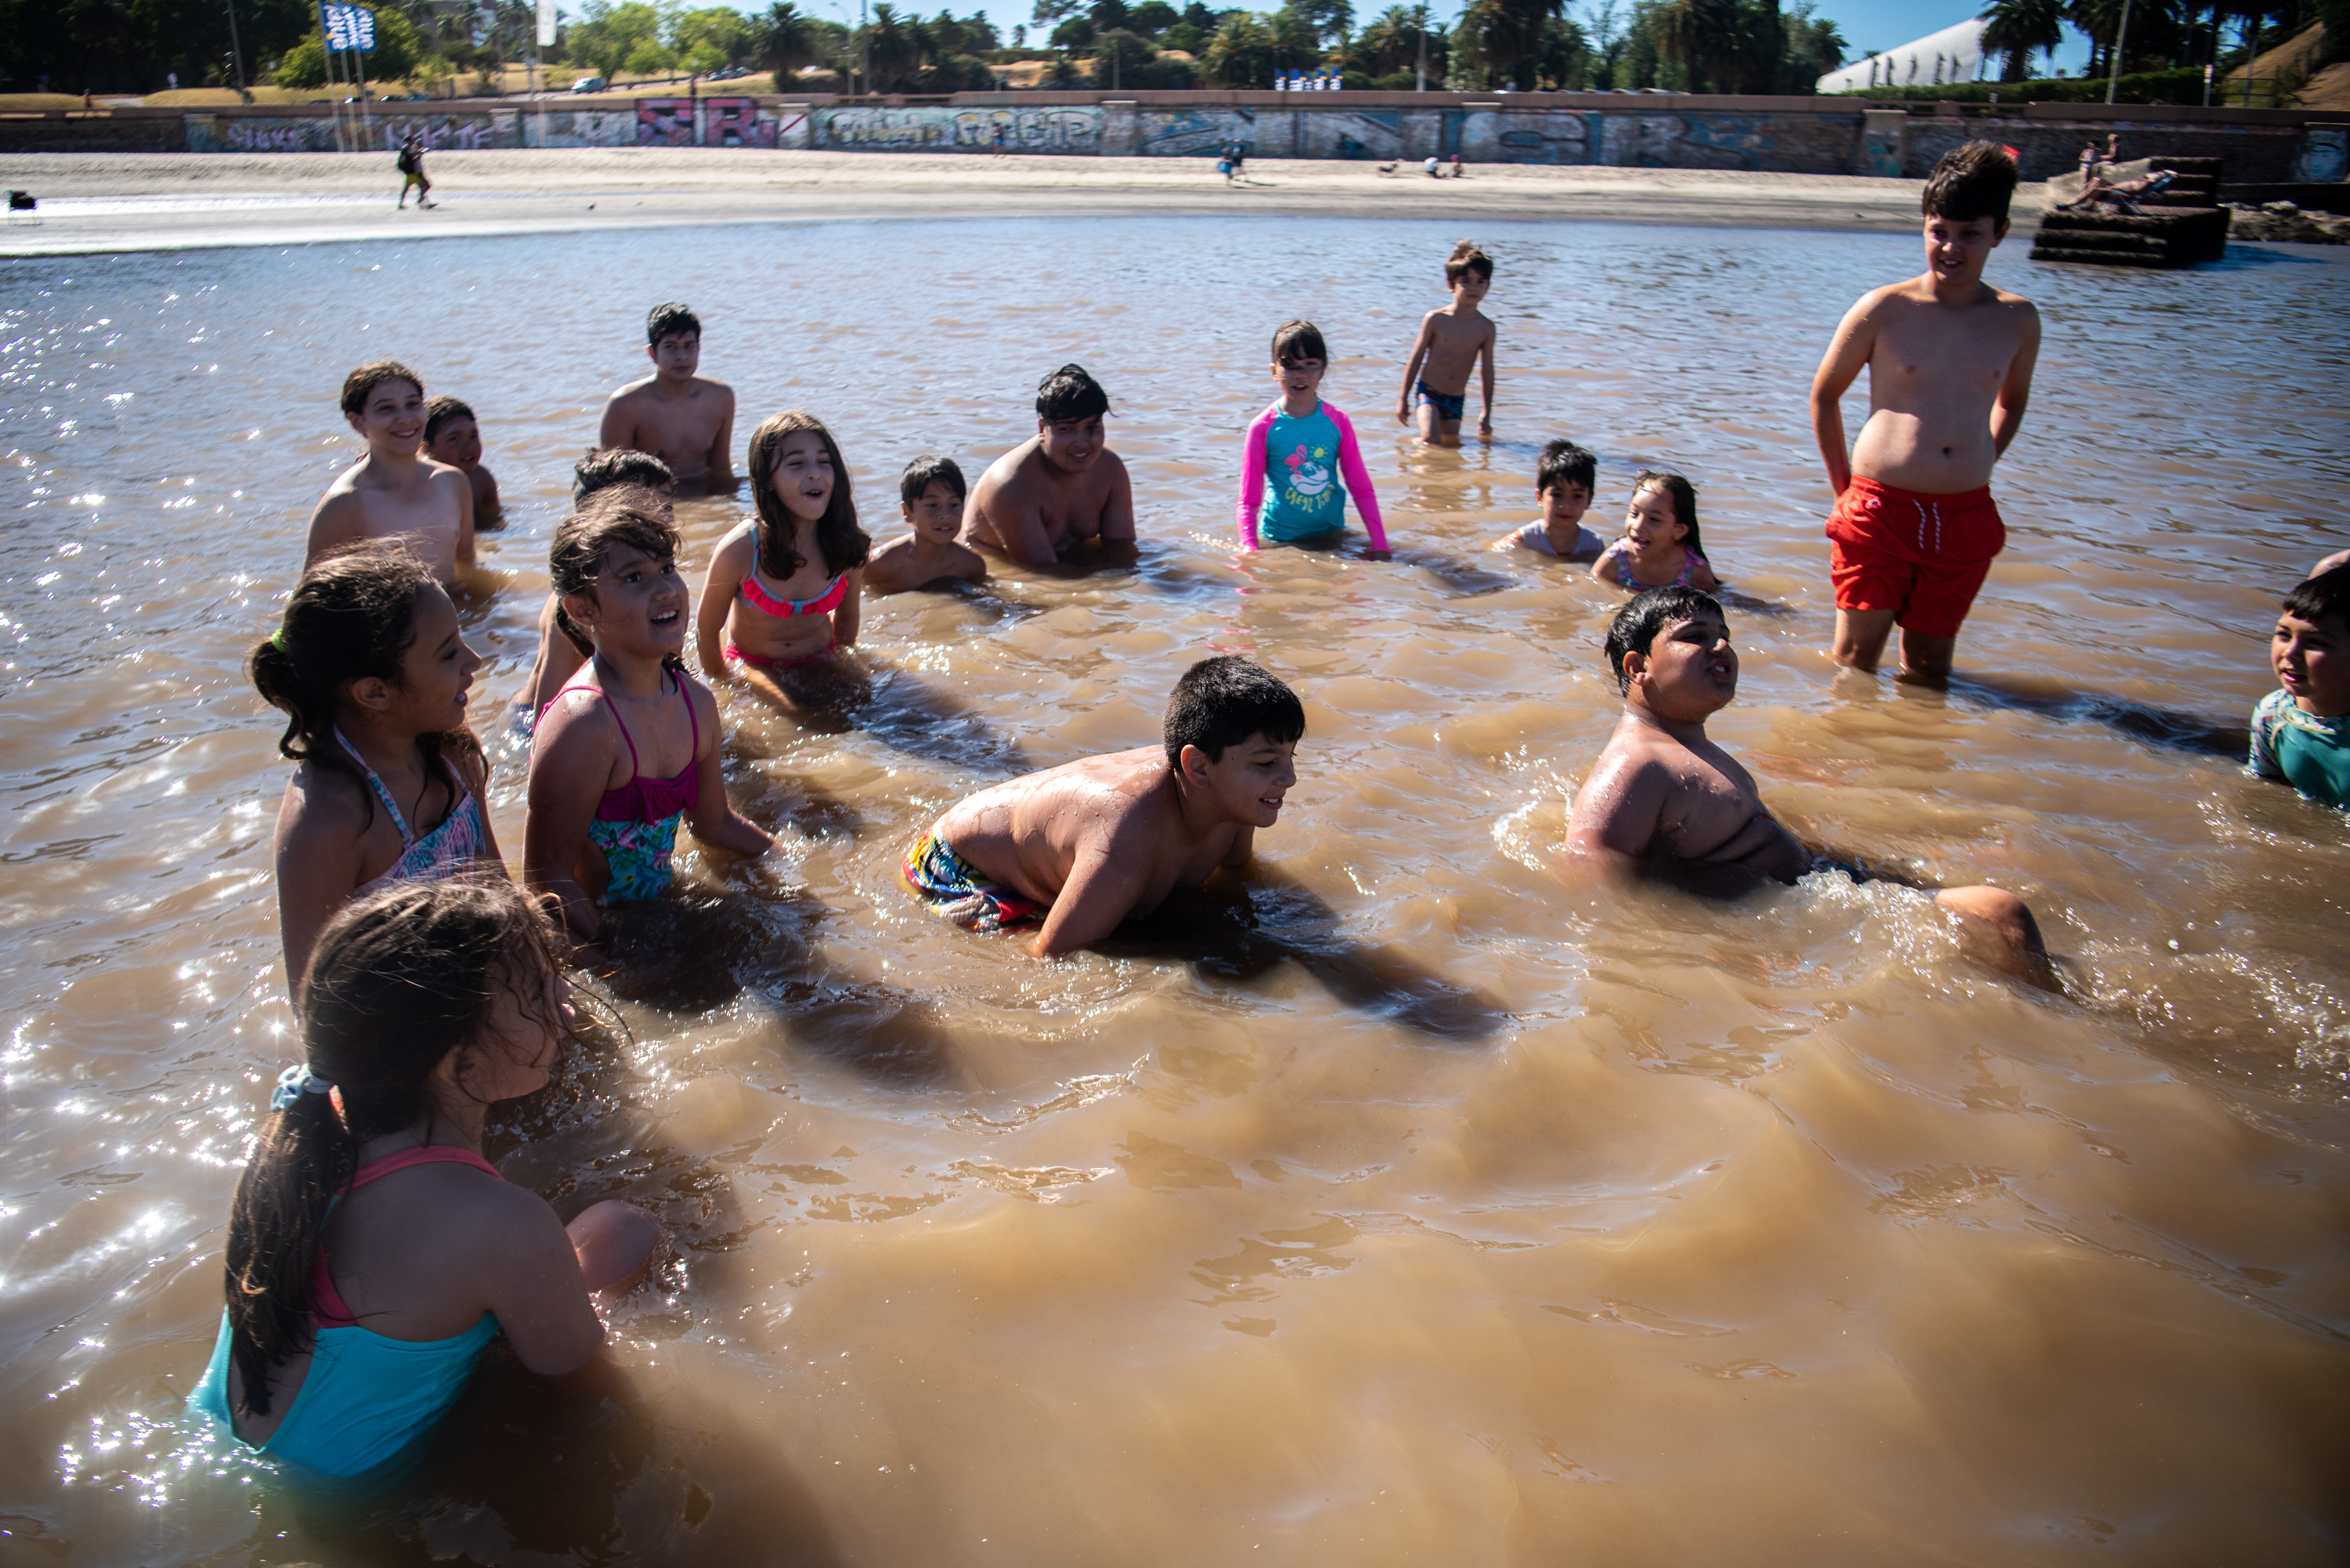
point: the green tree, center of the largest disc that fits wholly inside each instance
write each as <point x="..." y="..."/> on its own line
<point x="1153" y="18"/>
<point x="707" y="39"/>
<point x="394" y="58"/>
<point x="1814" y="48"/>
<point x="2018" y="29"/>
<point x="610" y="35"/>
<point x="1239" y="53"/>
<point x="788" y="41"/>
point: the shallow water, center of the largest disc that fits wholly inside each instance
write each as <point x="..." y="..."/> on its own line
<point x="1418" y="1211"/>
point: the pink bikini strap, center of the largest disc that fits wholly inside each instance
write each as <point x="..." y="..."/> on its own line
<point x="426" y="1154"/>
<point x="635" y="768"/>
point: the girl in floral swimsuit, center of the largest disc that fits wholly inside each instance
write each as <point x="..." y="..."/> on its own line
<point x="1661" y="548"/>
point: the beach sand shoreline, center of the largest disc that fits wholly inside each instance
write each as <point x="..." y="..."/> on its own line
<point x="103" y="203"/>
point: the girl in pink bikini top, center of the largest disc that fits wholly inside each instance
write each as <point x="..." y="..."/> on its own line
<point x="803" y="508"/>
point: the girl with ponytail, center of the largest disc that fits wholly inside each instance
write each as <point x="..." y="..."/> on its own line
<point x="372" y="673"/>
<point x="372" y="1251"/>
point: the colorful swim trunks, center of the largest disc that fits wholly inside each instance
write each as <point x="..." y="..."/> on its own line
<point x="1448" y="406"/>
<point x="1924" y="557"/>
<point x="962" y="894"/>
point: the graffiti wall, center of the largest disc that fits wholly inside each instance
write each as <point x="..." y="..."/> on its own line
<point x="1072" y="128"/>
<point x="1194" y="132"/>
<point x="737" y="122"/>
<point x="581" y="128"/>
<point x="664" y="122"/>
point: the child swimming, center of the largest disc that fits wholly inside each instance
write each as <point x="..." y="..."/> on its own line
<point x="636" y="479"/>
<point x="2300" y="732"/>
<point x="631" y="747"/>
<point x="373" y="675"/>
<point x="1661" y="547"/>
<point x="931" y="496"/>
<point x="1307" y="446"/>
<point x="1564" y="476"/>
<point x="395" y="491"/>
<point x="454" y="436"/>
<point x="785" y="588"/>
<point x="1453" y="339"/>
<point x="372" y="1251"/>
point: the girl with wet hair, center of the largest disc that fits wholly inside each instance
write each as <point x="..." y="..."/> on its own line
<point x="786" y="588"/>
<point x="1660" y="547"/>
<point x="372" y="1251"/>
<point x="372" y="672"/>
<point x="631" y="747"/>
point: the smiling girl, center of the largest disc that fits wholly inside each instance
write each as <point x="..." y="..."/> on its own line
<point x="1659" y="548"/>
<point x="631" y="746"/>
<point x="786" y="588"/>
<point x="373" y="674"/>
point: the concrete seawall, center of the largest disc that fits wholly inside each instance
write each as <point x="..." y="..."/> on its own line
<point x="1779" y="135"/>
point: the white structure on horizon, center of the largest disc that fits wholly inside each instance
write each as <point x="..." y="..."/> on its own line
<point x="1953" y="54"/>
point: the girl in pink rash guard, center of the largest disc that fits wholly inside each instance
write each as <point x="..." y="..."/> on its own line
<point x="1307" y="447"/>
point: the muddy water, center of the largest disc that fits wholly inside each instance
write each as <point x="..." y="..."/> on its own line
<point x="1408" y="1208"/>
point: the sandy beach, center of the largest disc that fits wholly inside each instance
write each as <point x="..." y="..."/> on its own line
<point x="139" y="201"/>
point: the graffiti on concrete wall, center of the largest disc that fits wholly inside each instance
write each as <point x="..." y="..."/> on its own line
<point x="1352" y="134"/>
<point x="1544" y="138"/>
<point x="664" y="122"/>
<point x="581" y="128"/>
<point x="1685" y="141"/>
<point x="1194" y="132"/>
<point x="1076" y="128"/>
<point x="469" y="135"/>
<point x="276" y="136"/>
<point x="737" y="122"/>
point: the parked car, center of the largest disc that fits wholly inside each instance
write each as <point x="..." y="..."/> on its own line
<point x="590" y="84"/>
<point x="729" y="73"/>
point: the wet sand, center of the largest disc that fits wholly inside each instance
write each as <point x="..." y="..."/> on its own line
<point x="124" y="202"/>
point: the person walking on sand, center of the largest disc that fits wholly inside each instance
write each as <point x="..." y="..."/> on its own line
<point x="411" y="172"/>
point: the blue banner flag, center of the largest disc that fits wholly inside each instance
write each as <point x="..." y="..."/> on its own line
<point x="348" y="27"/>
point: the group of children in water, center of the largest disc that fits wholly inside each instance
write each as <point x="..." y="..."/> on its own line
<point x="429" y="984"/>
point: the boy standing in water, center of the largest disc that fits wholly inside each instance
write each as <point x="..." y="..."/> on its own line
<point x="1949" y="362"/>
<point x="685" y="420"/>
<point x="395" y="491"/>
<point x="1086" y="846"/>
<point x="1453" y="340"/>
<point x="452" y="435"/>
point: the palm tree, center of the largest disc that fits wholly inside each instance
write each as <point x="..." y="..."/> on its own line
<point x="1704" y="37"/>
<point x="1239" y="53"/>
<point x="2018" y="29"/>
<point x="787" y="44"/>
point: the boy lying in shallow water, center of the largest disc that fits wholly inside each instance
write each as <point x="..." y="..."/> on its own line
<point x="1664" y="798"/>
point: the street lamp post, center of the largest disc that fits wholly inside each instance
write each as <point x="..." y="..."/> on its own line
<point x="235" y="49"/>
<point x="1421" y="85"/>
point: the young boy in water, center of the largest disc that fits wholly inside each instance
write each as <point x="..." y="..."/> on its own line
<point x="1086" y="846"/>
<point x="684" y="419"/>
<point x="1453" y="340"/>
<point x="930" y="497"/>
<point x="454" y="436"/>
<point x="2300" y="732"/>
<point x="1949" y="362"/>
<point x="1664" y="799"/>
<point x="395" y="491"/>
<point x="1563" y="476"/>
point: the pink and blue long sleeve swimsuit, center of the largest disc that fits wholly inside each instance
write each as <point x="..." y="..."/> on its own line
<point x="1306" y="458"/>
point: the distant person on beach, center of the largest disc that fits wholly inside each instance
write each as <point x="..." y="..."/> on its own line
<point x="931" y="496"/>
<point x="395" y="491"/>
<point x="2300" y="732"/>
<point x="615" y="476"/>
<point x="1454" y="339"/>
<point x="1949" y="362"/>
<point x="373" y="675"/>
<point x="1087" y="845"/>
<point x="1435" y="167"/>
<point x="684" y="419"/>
<point x="1564" y="476"/>
<point x="1043" y="501"/>
<point x="1661" y="547"/>
<point x="373" y="1253"/>
<point x="630" y="748"/>
<point x="1307" y="447"/>
<point x="1663" y="801"/>
<point x="411" y="173"/>
<point x="786" y="588"/>
<point x="452" y="435"/>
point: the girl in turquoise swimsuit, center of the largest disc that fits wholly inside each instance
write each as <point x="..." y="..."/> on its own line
<point x="373" y="674"/>
<point x="372" y="1251"/>
<point x="630" y="749"/>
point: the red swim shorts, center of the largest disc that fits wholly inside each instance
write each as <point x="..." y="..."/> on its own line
<point x="1924" y="557"/>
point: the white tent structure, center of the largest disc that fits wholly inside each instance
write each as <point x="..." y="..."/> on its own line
<point x="1953" y="54"/>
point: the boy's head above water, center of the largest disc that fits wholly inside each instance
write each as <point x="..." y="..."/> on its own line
<point x="931" y="496"/>
<point x="452" y="433"/>
<point x="2310" y="649"/>
<point x="1232" y="728"/>
<point x="1070" y="407"/>
<point x="673" y="341"/>
<point x="619" y="465"/>
<point x="1564" y="476"/>
<point x="1674" y="642"/>
<point x="384" y="399"/>
<point x="1468" y="262"/>
<point x="1965" y="205"/>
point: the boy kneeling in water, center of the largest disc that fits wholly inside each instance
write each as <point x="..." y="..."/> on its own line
<point x="1663" y="797"/>
<point x="1094" y="842"/>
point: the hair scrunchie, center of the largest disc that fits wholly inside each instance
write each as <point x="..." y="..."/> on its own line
<point x="296" y="1082"/>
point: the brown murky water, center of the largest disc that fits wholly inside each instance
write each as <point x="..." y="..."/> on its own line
<point x="1410" y="1211"/>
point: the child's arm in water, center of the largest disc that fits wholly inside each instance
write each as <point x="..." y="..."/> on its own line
<point x="715" y="820"/>
<point x="1604" y="570"/>
<point x="1103" y="884"/>
<point x="321" y="845"/>
<point x="1485" y="372"/>
<point x="570" y="764"/>
<point x="539" y="1272"/>
<point x="461" y="491"/>
<point x="718" y="463"/>
<point x="1359" y="482"/>
<point x="728" y="567"/>
<point x="848" y="616"/>
<point x="1411" y="368"/>
<point x="1252" y="496"/>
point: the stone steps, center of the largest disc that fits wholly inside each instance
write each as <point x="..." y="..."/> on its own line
<point x="2187" y="227"/>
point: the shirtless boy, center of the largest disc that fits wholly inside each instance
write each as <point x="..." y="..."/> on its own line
<point x="1453" y="340"/>
<point x="1040" y="501"/>
<point x="395" y="491"/>
<point x="1090" y="844"/>
<point x="685" y="420"/>
<point x="1950" y="363"/>
<point x="1662" y="798"/>
<point x="931" y="494"/>
<point x="452" y="435"/>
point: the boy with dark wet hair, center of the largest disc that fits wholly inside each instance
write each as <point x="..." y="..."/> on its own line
<point x="931" y="496"/>
<point x="2300" y="732"/>
<point x="684" y="418"/>
<point x="454" y="436"/>
<point x="612" y="465"/>
<point x="1564" y="476"/>
<point x="1087" y="845"/>
<point x="1044" y="500"/>
<point x="1949" y="362"/>
<point x="1454" y="339"/>
<point x="397" y="491"/>
<point x="1664" y="799"/>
